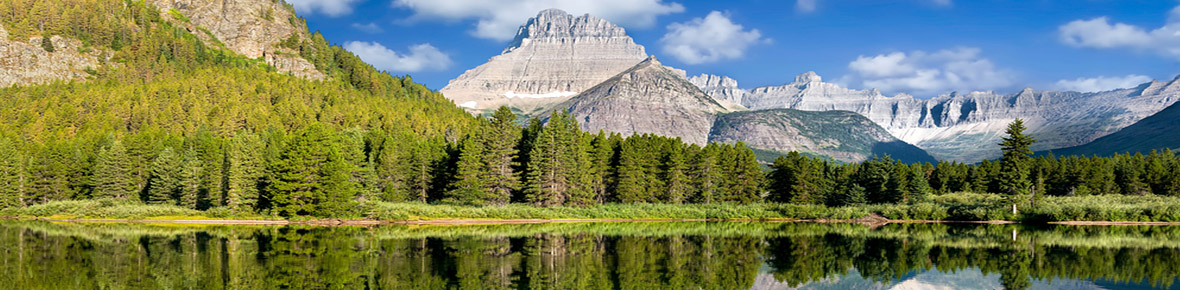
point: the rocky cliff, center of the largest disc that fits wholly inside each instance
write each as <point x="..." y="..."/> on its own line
<point x="967" y="127"/>
<point x="25" y="62"/>
<point x="647" y="98"/>
<point x="841" y="135"/>
<point x="1156" y="132"/>
<point x="554" y="56"/>
<point x="253" y="28"/>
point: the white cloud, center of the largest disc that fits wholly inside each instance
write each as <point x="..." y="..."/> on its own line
<point x="422" y="57"/>
<point x="1100" y="33"/>
<point x="371" y="28"/>
<point x="709" y="39"/>
<point x="1102" y="83"/>
<point x="499" y="19"/>
<point x="927" y="74"/>
<point x="808" y="6"/>
<point x="332" y="8"/>
<point x="805" y="6"/>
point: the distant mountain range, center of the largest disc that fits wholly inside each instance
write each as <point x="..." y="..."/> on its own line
<point x="1160" y="131"/>
<point x="591" y="67"/>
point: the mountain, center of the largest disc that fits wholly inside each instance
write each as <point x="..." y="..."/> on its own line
<point x="554" y="56"/>
<point x="967" y="127"/>
<point x="165" y="68"/>
<point x="840" y="135"/>
<point x="1158" y="131"/>
<point x="647" y="98"/>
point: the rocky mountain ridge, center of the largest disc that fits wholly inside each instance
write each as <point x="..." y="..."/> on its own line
<point x="967" y="127"/>
<point x="554" y="56"/>
<point x="27" y="62"/>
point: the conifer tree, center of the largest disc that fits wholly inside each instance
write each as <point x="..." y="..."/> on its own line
<point x="631" y="186"/>
<point x="165" y="178"/>
<point x="707" y="174"/>
<point x="191" y="174"/>
<point x="210" y="151"/>
<point x="11" y="174"/>
<point x="601" y="152"/>
<point x="245" y="171"/>
<point x="501" y="142"/>
<point x="745" y="176"/>
<point x="112" y="173"/>
<point x="675" y="179"/>
<point x="299" y="173"/>
<point x="552" y="162"/>
<point x="471" y="184"/>
<point x="364" y="175"/>
<point x="338" y="191"/>
<point x="1014" y="165"/>
<point x="47" y="44"/>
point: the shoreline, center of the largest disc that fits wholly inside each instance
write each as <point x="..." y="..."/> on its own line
<point x="873" y="221"/>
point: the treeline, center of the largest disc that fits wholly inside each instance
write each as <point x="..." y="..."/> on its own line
<point x="319" y="170"/>
<point x="804" y="180"/>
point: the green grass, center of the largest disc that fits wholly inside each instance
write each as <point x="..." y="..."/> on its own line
<point x="950" y="207"/>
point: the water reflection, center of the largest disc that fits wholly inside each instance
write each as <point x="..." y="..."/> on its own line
<point x="42" y="255"/>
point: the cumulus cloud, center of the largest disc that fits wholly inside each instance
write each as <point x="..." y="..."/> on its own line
<point x="808" y="6"/>
<point x="422" y="57"/>
<point x="927" y="74"/>
<point x="1102" y="83"/>
<point x="709" y="39"/>
<point x="331" y="8"/>
<point x="371" y="28"/>
<point x="499" y="19"/>
<point x="1102" y="34"/>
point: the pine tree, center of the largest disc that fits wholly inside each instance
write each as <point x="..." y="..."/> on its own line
<point x="919" y="187"/>
<point x="112" y="173"/>
<point x="552" y="166"/>
<point x="745" y="176"/>
<point x="707" y="174"/>
<point x="338" y="191"/>
<point x="675" y="180"/>
<point x="210" y="151"/>
<point x="165" y="178"/>
<point x="500" y="145"/>
<point x="602" y="150"/>
<point x="364" y="176"/>
<point x="471" y="184"/>
<point x="299" y="173"/>
<point x="47" y="44"/>
<point x="191" y="174"/>
<point x="631" y="186"/>
<point x="1014" y="165"/>
<point x="245" y="169"/>
<point x="11" y="174"/>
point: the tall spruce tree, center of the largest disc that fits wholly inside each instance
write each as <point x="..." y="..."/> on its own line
<point x="744" y="176"/>
<point x="501" y="152"/>
<point x="191" y="173"/>
<point x="601" y="152"/>
<point x="245" y="170"/>
<point x="707" y="174"/>
<point x="11" y="174"/>
<point x="338" y="189"/>
<point x="112" y="173"/>
<point x="631" y="180"/>
<point x="675" y="180"/>
<point x="551" y="166"/>
<point x="1015" y="164"/>
<point x="299" y="173"/>
<point x="165" y="182"/>
<point x="471" y="184"/>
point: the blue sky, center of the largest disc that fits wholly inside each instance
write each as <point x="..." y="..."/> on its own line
<point x="923" y="47"/>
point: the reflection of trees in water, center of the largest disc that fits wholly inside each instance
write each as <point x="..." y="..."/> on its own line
<point x="356" y="258"/>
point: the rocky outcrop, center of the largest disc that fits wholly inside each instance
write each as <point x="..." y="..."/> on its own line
<point x="26" y="63"/>
<point x="252" y="28"/>
<point x="721" y="88"/>
<point x="648" y="98"/>
<point x="554" y="56"/>
<point x="968" y="127"/>
<point x="1156" y="132"/>
<point x="841" y="135"/>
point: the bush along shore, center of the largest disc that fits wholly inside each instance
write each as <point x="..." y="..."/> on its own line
<point x="953" y="207"/>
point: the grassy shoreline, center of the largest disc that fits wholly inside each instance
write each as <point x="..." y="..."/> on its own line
<point x="958" y="207"/>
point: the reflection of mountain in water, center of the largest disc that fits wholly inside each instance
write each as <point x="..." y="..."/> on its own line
<point x="944" y="280"/>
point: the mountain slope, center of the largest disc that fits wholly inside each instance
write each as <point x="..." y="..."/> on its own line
<point x="647" y="98"/>
<point x="968" y="127"/>
<point x="555" y="56"/>
<point x="1160" y="131"/>
<point x="841" y="135"/>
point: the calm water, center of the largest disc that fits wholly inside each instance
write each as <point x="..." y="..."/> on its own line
<point x="649" y="256"/>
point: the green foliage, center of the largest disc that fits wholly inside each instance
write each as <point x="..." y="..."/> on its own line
<point x="112" y="173"/>
<point x="11" y="174"/>
<point x="1015" y="163"/>
<point x="47" y="44"/>
<point x="246" y="168"/>
<point x="165" y="182"/>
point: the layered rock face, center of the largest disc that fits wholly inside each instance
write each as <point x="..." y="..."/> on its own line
<point x="648" y="98"/>
<point x="721" y="88"/>
<point x="553" y="57"/>
<point x="27" y="63"/>
<point x="841" y="135"/>
<point x="252" y="28"/>
<point x="968" y="127"/>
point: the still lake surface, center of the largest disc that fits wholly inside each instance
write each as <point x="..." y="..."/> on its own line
<point x="635" y="255"/>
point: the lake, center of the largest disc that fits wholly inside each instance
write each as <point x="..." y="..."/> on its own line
<point x="634" y="255"/>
